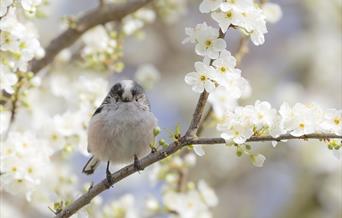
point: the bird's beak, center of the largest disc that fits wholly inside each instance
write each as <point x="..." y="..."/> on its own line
<point x="126" y="100"/>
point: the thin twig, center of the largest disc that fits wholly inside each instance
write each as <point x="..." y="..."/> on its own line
<point x="196" y="117"/>
<point x="92" y="18"/>
<point x="102" y="3"/>
<point x="242" y="50"/>
<point x="14" y="104"/>
<point x="204" y="120"/>
<point x="267" y="138"/>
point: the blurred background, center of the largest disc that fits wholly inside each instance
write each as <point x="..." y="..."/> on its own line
<point x="301" y="61"/>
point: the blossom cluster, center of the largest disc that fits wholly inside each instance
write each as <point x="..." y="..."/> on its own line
<point x="101" y="49"/>
<point x="19" y="44"/>
<point x="246" y="15"/>
<point x="103" y="44"/>
<point x="261" y="119"/>
<point x="221" y="71"/>
<point x="195" y="202"/>
<point x="26" y="157"/>
<point x="170" y="10"/>
<point x="24" y="163"/>
<point x="188" y="199"/>
<point x="29" y="6"/>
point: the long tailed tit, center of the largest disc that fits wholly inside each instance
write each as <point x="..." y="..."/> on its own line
<point x="121" y="128"/>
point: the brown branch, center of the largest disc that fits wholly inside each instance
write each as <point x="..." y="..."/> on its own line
<point x="162" y="154"/>
<point x="14" y="103"/>
<point x="204" y="120"/>
<point x="119" y="175"/>
<point x="196" y="117"/>
<point x="242" y="50"/>
<point x="267" y="138"/>
<point x="102" y="3"/>
<point x="92" y="18"/>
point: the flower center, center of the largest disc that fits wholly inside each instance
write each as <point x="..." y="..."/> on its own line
<point x="260" y="115"/>
<point x="190" y="205"/>
<point x="229" y="14"/>
<point x="223" y="69"/>
<point x="337" y="121"/>
<point x="203" y="78"/>
<point x="208" y="43"/>
<point x="301" y="125"/>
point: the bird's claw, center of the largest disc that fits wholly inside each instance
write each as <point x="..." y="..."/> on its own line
<point x="109" y="177"/>
<point x="137" y="164"/>
<point x="153" y="150"/>
<point x="91" y="186"/>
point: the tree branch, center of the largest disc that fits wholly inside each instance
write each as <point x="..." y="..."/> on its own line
<point x="242" y="50"/>
<point x="267" y="138"/>
<point x="92" y="18"/>
<point x="162" y="154"/>
<point x="196" y="117"/>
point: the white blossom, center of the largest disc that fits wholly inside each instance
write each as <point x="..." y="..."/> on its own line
<point x="4" y="6"/>
<point x="209" y="5"/>
<point x="239" y="133"/>
<point x="225" y="63"/>
<point x="258" y="160"/>
<point x="187" y="205"/>
<point x="244" y="14"/>
<point x="264" y="114"/>
<point x="97" y="40"/>
<point x="207" y="193"/>
<point x="147" y="76"/>
<point x="30" y="5"/>
<point x="208" y="43"/>
<point x="272" y="12"/>
<point x="136" y="21"/>
<point x="225" y="19"/>
<point x="236" y="4"/>
<point x="332" y="121"/>
<point x="123" y="207"/>
<point x="202" y="79"/>
<point x="171" y="10"/>
<point x="19" y="43"/>
<point x="199" y="150"/>
<point x="300" y="120"/>
<point x="7" y="80"/>
<point x="221" y="101"/>
<point x="4" y="121"/>
<point x="24" y="163"/>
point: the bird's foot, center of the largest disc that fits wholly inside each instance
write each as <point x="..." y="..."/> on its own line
<point x="153" y="149"/>
<point x="109" y="177"/>
<point x="91" y="186"/>
<point x="137" y="164"/>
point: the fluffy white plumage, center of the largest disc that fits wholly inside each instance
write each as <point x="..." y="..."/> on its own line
<point x="121" y="127"/>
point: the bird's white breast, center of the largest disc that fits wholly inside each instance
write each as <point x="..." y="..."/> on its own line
<point x="119" y="134"/>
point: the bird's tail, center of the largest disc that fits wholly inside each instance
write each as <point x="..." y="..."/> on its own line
<point x="90" y="166"/>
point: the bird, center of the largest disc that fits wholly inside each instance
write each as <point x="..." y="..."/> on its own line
<point x="121" y="128"/>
